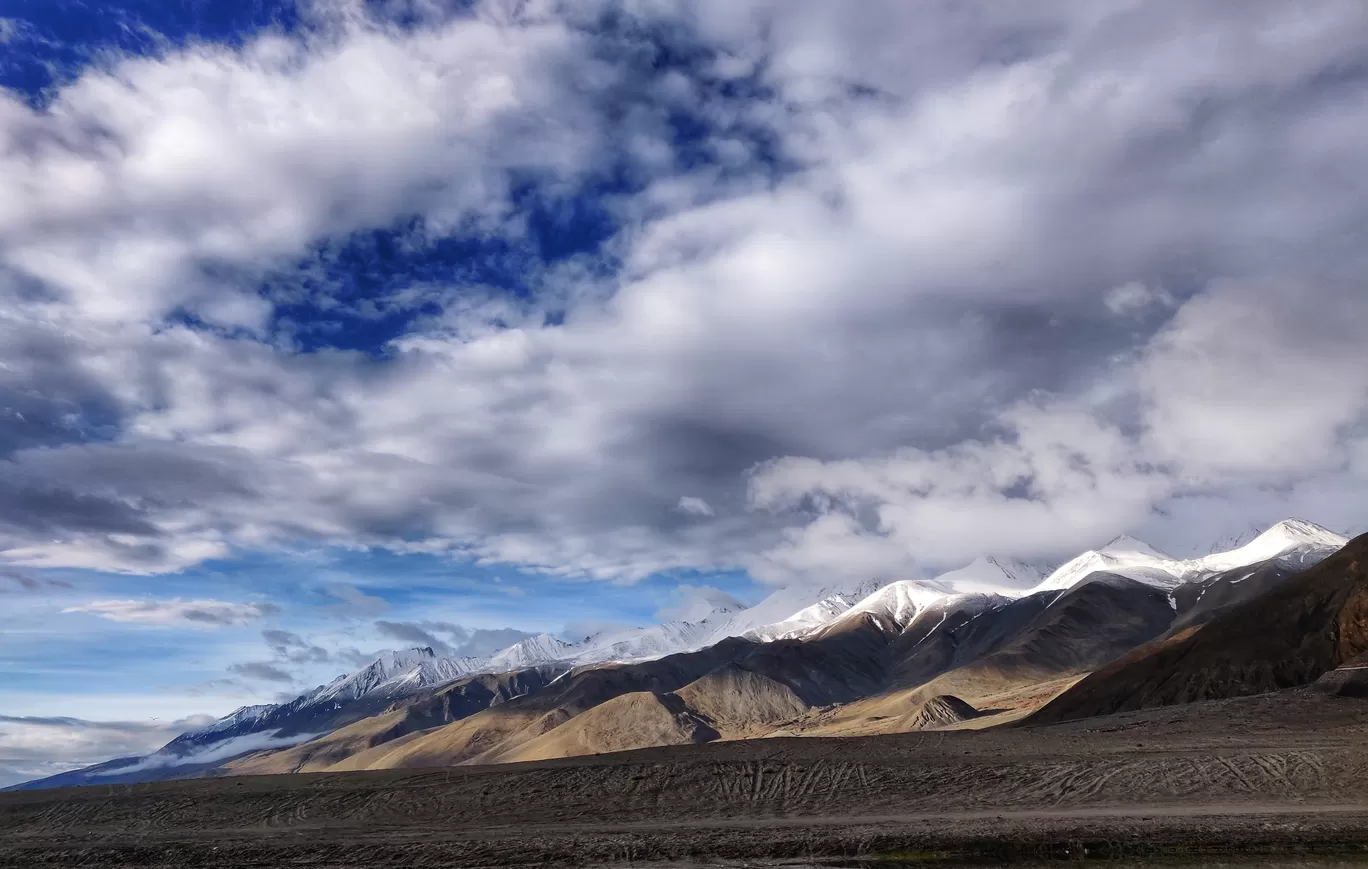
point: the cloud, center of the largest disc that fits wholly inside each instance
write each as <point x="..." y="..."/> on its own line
<point x="260" y="670"/>
<point x="409" y="632"/>
<point x="461" y="641"/>
<point x="695" y="603"/>
<point x="28" y="582"/>
<point x="695" y="506"/>
<point x="221" y="750"/>
<point x="1247" y="407"/>
<point x="1134" y="299"/>
<point x="899" y="291"/>
<point x="33" y="747"/>
<point x="355" y="603"/>
<point x="294" y="648"/>
<point x="177" y="612"/>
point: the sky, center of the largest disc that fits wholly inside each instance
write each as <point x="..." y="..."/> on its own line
<point x="329" y="327"/>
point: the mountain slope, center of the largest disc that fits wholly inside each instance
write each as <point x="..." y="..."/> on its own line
<point x="454" y="702"/>
<point x="855" y="659"/>
<point x="738" y="701"/>
<point x="637" y="720"/>
<point x="390" y="678"/>
<point x="1289" y="636"/>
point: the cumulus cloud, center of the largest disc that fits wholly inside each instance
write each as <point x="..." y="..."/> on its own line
<point x="900" y="295"/>
<point x="1249" y="405"/>
<point x="177" y="612"/>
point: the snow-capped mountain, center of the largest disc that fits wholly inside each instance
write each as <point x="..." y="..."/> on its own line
<point x="241" y="717"/>
<point x="788" y="612"/>
<point x="989" y="582"/>
<point x="636" y="644"/>
<point x="1124" y="556"/>
<point x="979" y="585"/>
<point x="785" y="614"/>
<point x="989" y="575"/>
<point x="531" y="652"/>
<point x="811" y="617"/>
<point x="394" y="674"/>
<point x="1293" y="541"/>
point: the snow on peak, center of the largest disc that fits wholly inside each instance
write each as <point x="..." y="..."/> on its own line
<point x="828" y="606"/>
<point x="1139" y="564"/>
<point x="1293" y="539"/>
<point x="396" y="672"/>
<point x="238" y="717"/>
<point x="1125" y="545"/>
<point x="531" y="652"/>
<point x="990" y="576"/>
<point x="704" y="604"/>
<point x="898" y="603"/>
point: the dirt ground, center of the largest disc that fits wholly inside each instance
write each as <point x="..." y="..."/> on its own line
<point x="1281" y="776"/>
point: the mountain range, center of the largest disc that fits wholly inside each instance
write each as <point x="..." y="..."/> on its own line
<point x="996" y="642"/>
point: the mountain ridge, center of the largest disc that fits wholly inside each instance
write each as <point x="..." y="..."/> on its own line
<point x="842" y="645"/>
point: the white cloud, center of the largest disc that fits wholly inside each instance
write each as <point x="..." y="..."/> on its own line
<point x="34" y="747"/>
<point x="694" y="603"/>
<point x="1264" y="380"/>
<point x="923" y="302"/>
<point x="695" y="506"/>
<point x="221" y="750"/>
<point x="1134" y="298"/>
<point x="177" y="613"/>
<point x="1234" y="420"/>
<point x="117" y="193"/>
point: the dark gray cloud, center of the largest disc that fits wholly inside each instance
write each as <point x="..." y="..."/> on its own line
<point x="25" y="581"/>
<point x="939" y="258"/>
<point x="459" y="640"/>
<point x="409" y="632"/>
<point x="260" y="670"/>
<point x="294" y="648"/>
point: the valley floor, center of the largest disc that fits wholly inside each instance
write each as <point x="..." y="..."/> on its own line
<point x="1283" y="774"/>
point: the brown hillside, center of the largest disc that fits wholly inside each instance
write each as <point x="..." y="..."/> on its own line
<point x="639" y="720"/>
<point x="736" y="700"/>
<point x="454" y="702"/>
<point x="1289" y="636"/>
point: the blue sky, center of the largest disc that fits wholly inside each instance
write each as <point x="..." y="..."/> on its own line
<point x="325" y="321"/>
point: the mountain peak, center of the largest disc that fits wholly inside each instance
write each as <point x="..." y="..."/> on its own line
<point x="1301" y="530"/>
<point x="704" y="604"/>
<point x="990" y="575"/>
<point x="1291" y="539"/>
<point x="1127" y="545"/>
<point x="541" y="649"/>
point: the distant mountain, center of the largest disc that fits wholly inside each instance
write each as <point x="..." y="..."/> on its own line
<point x="390" y="678"/>
<point x="990" y="638"/>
